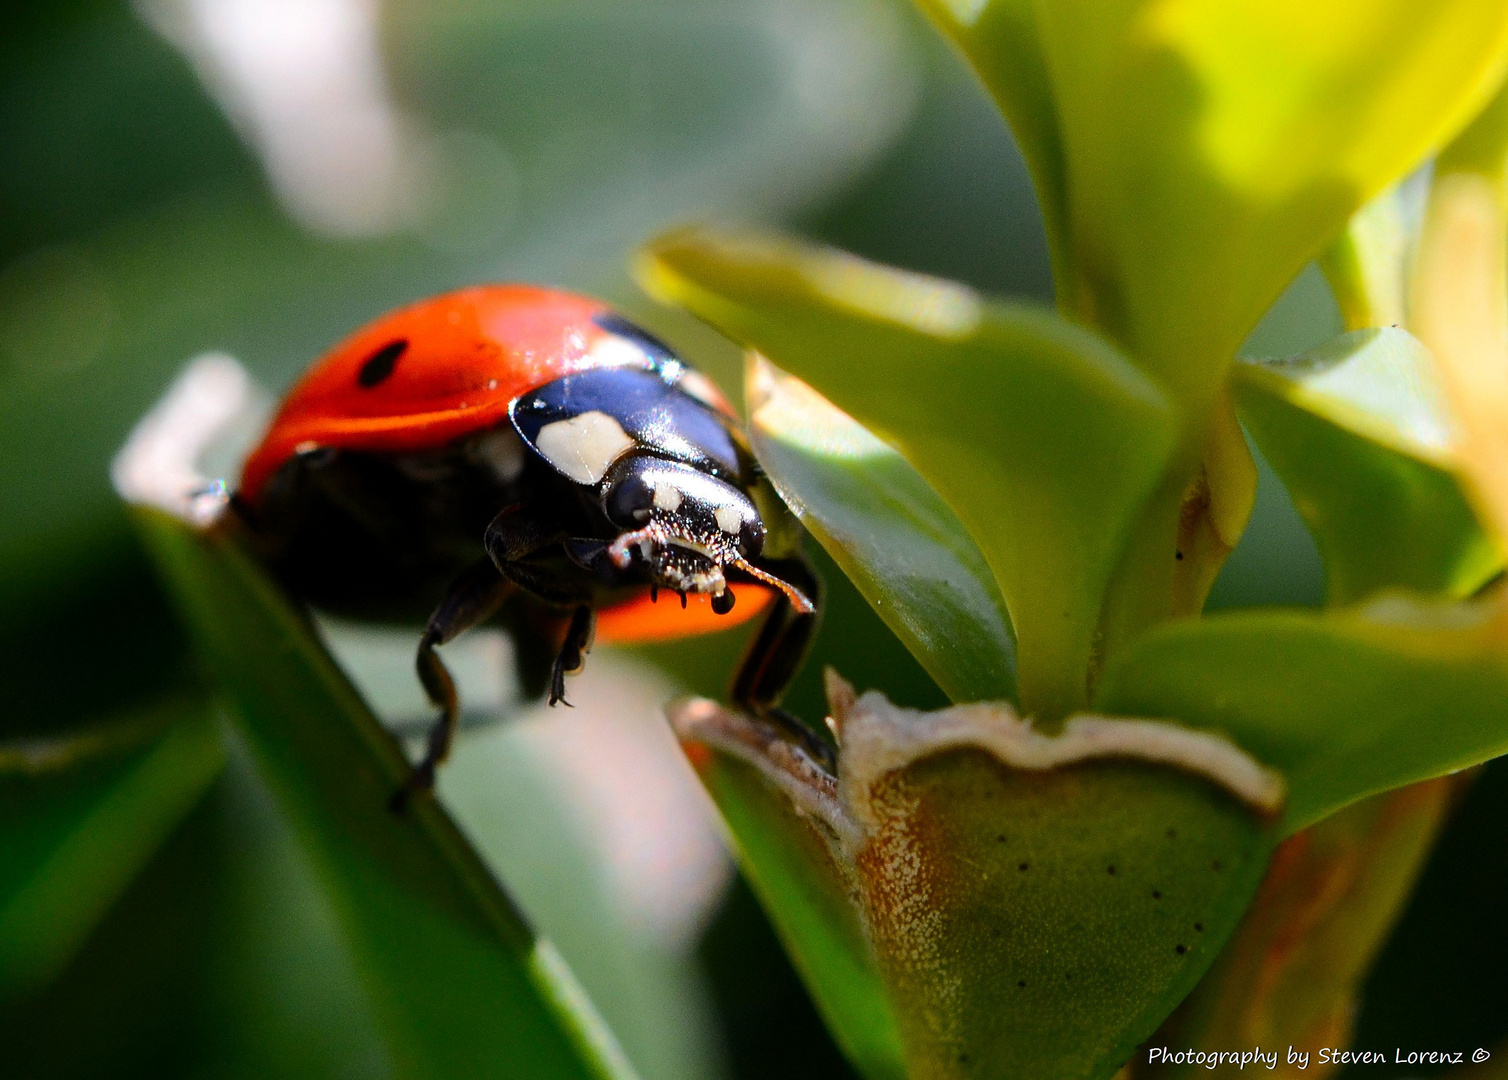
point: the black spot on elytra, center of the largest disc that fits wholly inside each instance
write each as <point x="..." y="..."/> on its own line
<point x="1020" y="982"/>
<point x="1023" y="867"/>
<point x="1199" y="926"/>
<point x="1180" y="949"/>
<point x="380" y="364"/>
<point x="1156" y="895"/>
<point x="1178" y="555"/>
<point x="1000" y="839"/>
<point x="1110" y="870"/>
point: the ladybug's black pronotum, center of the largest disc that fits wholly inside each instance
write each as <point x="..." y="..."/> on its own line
<point x="521" y="455"/>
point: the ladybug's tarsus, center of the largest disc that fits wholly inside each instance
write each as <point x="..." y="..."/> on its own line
<point x="795" y="731"/>
<point x="572" y="656"/>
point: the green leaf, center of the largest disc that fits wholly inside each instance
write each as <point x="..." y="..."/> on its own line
<point x="1020" y="921"/>
<point x="1088" y="963"/>
<point x="806" y="892"/>
<point x="1344" y="703"/>
<point x="80" y="817"/>
<point x="1360" y="434"/>
<point x="1001" y="41"/>
<point x="223" y="958"/>
<point x="1292" y="974"/>
<point x="893" y="536"/>
<point x="1365" y="265"/>
<point x="1212" y="147"/>
<point x="459" y="983"/>
<point x="606" y="844"/>
<point x="1042" y="438"/>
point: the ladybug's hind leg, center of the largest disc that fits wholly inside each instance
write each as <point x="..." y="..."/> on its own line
<point x="474" y="598"/>
<point x="775" y="656"/>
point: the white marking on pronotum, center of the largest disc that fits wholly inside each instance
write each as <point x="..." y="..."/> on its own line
<point x="584" y="446"/>
<point x="729" y="519"/>
<point x="667" y="497"/>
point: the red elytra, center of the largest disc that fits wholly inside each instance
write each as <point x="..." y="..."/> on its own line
<point x="469" y="354"/>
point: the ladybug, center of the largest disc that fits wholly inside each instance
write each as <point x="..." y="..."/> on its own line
<point x="529" y="457"/>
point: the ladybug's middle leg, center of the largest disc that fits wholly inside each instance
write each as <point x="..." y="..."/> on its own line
<point x="515" y="535"/>
<point x="474" y="598"/>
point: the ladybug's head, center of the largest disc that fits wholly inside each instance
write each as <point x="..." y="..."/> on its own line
<point x="685" y="527"/>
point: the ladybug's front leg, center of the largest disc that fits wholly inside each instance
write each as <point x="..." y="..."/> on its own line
<point x="775" y="656"/>
<point x="474" y="598"/>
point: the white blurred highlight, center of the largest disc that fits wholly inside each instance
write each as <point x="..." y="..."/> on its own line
<point x="783" y="407"/>
<point x="303" y="82"/>
<point x="926" y="304"/>
<point x="160" y="465"/>
<point x="620" y="770"/>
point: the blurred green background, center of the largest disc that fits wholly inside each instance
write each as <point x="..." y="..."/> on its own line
<point x="261" y="176"/>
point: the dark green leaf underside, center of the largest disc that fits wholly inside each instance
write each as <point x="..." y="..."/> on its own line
<point x="907" y="553"/>
<point x="458" y="983"/>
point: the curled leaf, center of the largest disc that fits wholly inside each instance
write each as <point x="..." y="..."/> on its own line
<point x="1030" y="905"/>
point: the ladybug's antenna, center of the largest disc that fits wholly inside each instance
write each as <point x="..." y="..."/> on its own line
<point x="798" y="600"/>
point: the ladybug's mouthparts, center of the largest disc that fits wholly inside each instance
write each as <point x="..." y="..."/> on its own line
<point x="693" y="564"/>
<point x="675" y="560"/>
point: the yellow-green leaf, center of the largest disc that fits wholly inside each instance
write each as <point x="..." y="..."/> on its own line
<point x="999" y="38"/>
<point x="1344" y="703"/>
<point x="1212" y="147"/>
<point x="1359" y="431"/>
